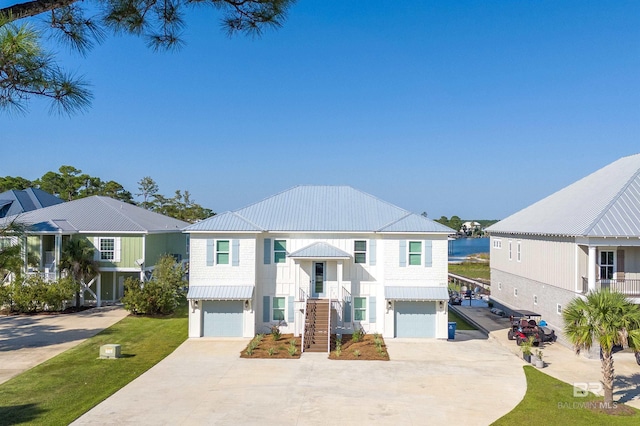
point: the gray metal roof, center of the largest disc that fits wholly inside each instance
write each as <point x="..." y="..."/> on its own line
<point x="409" y="293"/>
<point x="98" y="214"/>
<point x="228" y="221"/>
<point x="321" y="209"/>
<point x="221" y="292"/>
<point x="26" y="200"/>
<point x="605" y="203"/>
<point x="320" y="250"/>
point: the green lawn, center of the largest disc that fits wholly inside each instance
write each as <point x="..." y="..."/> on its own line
<point x="473" y="270"/>
<point x="462" y="324"/>
<point x="61" y="389"/>
<point x="549" y="401"/>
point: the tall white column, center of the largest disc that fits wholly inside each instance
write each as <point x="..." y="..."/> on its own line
<point x="340" y="295"/>
<point x="58" y="254"/>
<point x="592" y="268"/>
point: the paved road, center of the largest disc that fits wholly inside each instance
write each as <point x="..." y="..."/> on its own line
<point x="470" y="381"/>
<point x="28" y="340"/>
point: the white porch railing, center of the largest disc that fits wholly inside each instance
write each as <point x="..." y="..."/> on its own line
<point x="303" y="298"/>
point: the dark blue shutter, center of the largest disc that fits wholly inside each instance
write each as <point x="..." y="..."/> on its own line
<point x="403" y="253"/>
<point x="372" y="309"/>
<point x="347" y="310"/>
<point x="235" y="252"/>
<point x="428" y="253"/>
<point x="372" y="252"/>
<point x="290" y="307"/>
<point x="267" y="251"/>
<point x="210" y="252"/>
<point x="266" y="309"/>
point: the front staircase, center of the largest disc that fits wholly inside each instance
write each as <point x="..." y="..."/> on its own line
<point x="316" y="326"/>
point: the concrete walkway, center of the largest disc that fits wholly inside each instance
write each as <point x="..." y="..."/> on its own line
<point x="563" y="363"/>
<point x="470" y="381"/>
<point x="28" y="340"/>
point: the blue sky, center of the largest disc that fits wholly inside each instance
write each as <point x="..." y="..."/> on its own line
<point x="474" y="108"/>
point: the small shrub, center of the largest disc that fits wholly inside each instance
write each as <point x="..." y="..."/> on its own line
<point x="356" y="353"/>
<point x="377" y="340"/>
<point x="292" y="347"/>
<point x="161" y="294"/>
<point x="380" y="351"/>
<point x="250" y="350"/>
<point x="271" y="351"/>
<point x="357" y="335"/>
<point x="275" y="332"/>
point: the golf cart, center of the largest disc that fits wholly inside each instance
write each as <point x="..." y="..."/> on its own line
<point x="527" y="324"/>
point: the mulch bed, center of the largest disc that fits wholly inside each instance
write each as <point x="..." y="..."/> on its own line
<point x="279" y="348"/>
<point x="364" y="350"/>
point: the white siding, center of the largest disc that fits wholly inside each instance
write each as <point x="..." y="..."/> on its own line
<point x="549" y="260"/>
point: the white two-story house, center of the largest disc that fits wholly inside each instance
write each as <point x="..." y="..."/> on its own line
<point x="328" y="257"/>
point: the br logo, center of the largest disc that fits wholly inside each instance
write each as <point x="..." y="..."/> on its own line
<point x="582" y="389"/>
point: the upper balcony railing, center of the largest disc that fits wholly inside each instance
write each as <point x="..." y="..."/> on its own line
<point x="630" y="288"/>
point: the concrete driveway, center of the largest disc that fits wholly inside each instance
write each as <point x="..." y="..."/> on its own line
<point x="28" y="340"/>
<point x="471" y="381"/>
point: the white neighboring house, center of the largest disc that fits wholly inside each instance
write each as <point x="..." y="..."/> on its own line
<point x="376" y="265"/>
<point x="582" y="238"/>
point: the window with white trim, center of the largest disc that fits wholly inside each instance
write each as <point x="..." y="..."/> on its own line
<point x="535" y="299"/>
<point x="559" y="309"/>
<point x="107" y="248"/>
<point x="515" y="292"/>
<point x="518" y="251"/>
<point x="497" y="243"/>
<point x="222" y="252"/>
<point x="279" y="251"/>
<point x="415" y="252"/>
<point x="510" y="251"/>
<point x="606" y="265"/>
<point x="360" y="251"/>
<point x="279" y="304"/>
<point x="359" y="308"/>
<point x="499" y="286"/>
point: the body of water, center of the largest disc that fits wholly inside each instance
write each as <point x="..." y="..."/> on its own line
<point x="462" y="247"/>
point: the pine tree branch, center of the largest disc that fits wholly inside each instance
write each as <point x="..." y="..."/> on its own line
<point x="32" y="8"/>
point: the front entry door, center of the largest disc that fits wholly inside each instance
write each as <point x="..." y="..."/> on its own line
<point x="317" y="280"/>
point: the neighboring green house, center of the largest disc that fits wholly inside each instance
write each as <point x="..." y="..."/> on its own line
<point x="128" y="240"/>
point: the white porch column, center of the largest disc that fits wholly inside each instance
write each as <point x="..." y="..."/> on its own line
<point x="99" y="290"/>
<point x="339" y="274"/>
<point x="58" y="254"/>
<point x="592" y="268"/>
<point x="296" y="278"/>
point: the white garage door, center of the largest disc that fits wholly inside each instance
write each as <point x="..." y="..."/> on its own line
<point x="222" y="318"/>
<point x="415" y="319"/>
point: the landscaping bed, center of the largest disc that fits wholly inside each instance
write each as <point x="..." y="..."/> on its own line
<point x="367" y="347"/>
<point x="266" y="346"/>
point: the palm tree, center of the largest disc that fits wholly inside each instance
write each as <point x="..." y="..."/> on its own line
<point x="11" y="260"/>
<point x="606" y="319"/>
<point x="78" y="261"/>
